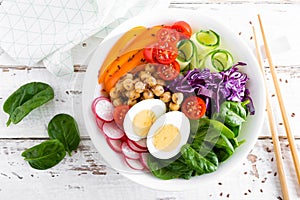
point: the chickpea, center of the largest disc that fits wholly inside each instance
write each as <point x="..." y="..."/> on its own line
<point x="127" y="94"/>
<point x="139" y="86"/>
<point x="166" y="97"/>
<point x="117" y="102"/>
<point x="177" y="98"/>
<point x="127" y="76"/>
<point x="150" y="68"/>
<point x="158" y="90"/>
<point x="135" y="80"/>
<point x="174" y="106"/>
<point x="119" y="86"/>
<point x="128" y="84"/>
<point x="144" y="75"/>
<point x="113" y="93"/>
<point x="151" y="81"/>
<point x="134" y="95"/>
<point x="147" y="94"/>
<point x="131" y="102"/>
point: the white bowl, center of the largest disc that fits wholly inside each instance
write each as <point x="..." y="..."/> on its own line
<point x="230" y="41"/>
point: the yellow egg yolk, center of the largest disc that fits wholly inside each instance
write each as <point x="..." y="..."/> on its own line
<point x="166" y="138"/>
<point x="142" y="122"/>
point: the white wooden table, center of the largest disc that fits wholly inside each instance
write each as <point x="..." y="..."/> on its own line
<point x="85" y="175"/>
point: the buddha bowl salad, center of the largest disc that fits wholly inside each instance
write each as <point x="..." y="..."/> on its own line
<point x="176" y="100"/>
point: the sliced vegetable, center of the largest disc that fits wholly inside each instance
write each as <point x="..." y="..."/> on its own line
<point x="217" y="61"/>
<point x="183" y="28"/>
<point x="168" y="72"/>
<point x="25" y="99"/>
<point x="193" y="107"/>
<point x="135" y="61"/>
<point x="64" y="128"/>
<point x="112" y="131"/>
<point x="129" y="153"/>
<point x="168" y="35"/>
<point x="45" y="155"/>
<point x="119" y="114"/>
<point x="165" y="52"/>
<point x="142" y="143"/>
<point x="133" y="147"/>
<point x="186" y="52"/>
<point x="118" y="46"/>
<point x="114" y="144"/>
<point x="99" y="123"/>
<point x="134" y="163"/>
<point x="143" y="159"/>
<point x="103" y="108"/>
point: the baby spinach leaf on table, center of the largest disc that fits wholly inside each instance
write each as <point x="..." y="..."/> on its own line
<point x="201" y="164"/>
<point x="64" y="128"/>
<point x="45" y="155"/>
<point x="25" y="99"/>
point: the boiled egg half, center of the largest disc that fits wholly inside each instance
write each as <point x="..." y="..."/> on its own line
<point x="141" y="116"/>
<point x="168" y="134"/>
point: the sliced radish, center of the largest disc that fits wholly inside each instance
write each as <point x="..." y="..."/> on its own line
<point x="143" y="158"/>
<point x="103" y="109"/>
<point x="134" y="164"/>
<point x="99" y="123"/>
<point x="133" y="147"/>
<point x="129" y="153"/>
<point x="141" y="143"/>
<point x="112" y="131"/>
<point x="114" y="144"/>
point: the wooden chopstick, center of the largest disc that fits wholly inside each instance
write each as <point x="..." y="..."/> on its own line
<point x="275" y="139"/>
<point x="288" y="131"/>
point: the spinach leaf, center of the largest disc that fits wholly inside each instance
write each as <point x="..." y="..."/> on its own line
<point x="25" y="99"/>
<point x="64" y="128"/>
<point x="45" y="155"/>
<point x="233" y="113"/>
<point x="205" y="123"/>
<point x="201" y="164"/>
<point x="223" y="148"/>
<point x="160" y="170"/>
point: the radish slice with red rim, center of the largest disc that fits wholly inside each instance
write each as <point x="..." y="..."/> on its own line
<point x="103" y="109"/>
<point x="129" y="153"/>
<point x="141" y="143"/>
<point x="144" y="158"/>
<point x="112" y="131"/>
<point x="134" y="164"/>
<point x="133" y="147"/>
<point x="115" y="145"/>
<point x="99" y="123"/>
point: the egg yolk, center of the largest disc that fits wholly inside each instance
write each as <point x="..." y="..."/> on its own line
<point x="142" y="122"/>
<point x="166" y="138"/>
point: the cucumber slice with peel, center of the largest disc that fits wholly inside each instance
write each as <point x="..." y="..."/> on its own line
<point x="217" y="61"/>
<point x="186" y="51"/>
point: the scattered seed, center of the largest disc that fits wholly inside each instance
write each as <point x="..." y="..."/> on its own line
<point x="245" y="193"/>
<point x="245" y="172"/>
<point x="227" y="195"/>
<point x="268" y="150"/>
<point x="280" y="123"/>
<point x="280" y="80"/>
<point x="251" y="38"/>
<point x="273" y="95"/>
<point x="249" y="190"/>
<point x="220" y="183"/>
<point x="250" y="22"/>
<point x="240" y="33"/>
<point x="275" y="173"/>
<point x="272" y="159"/>
<point x="269" y="172"/>
<point x="279" y="197"/>
<point x="286" y="81"/>
<point x="221" y="193"/>
<point x="261" y="190"/>
<point x="293" y="115"/>
<point x="264" y="180"/>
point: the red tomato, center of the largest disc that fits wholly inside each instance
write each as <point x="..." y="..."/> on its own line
<point x="168" y="35"/>
<point x="165" y="52"/>
<point x="148" y="54"/>
<point x="193" y="107"/>
<point x="183" y="27"/>
<point x="119" y="114"/>
<point x="169" y="72"/>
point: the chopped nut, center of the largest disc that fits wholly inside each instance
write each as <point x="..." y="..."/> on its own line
<point x="177" y="98"/>
<point x="150" y="68"/>
<point x="158" y="90"/>
<point x="134" y="95"/>
<point x="147" y="94"/>
<point x="113" y="93"/>
<point x="139" y="86"/>
<point x="174" y="106"/>
<point x="131" y="102"/>
<point x="117" y="102"/>
<point x="151" y="81"/>
<point x="166" y="97"/>
<point x="128" y="84"/>
<point x="144" y="75"/>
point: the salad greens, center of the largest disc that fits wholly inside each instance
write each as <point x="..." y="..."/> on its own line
<point x="64" y="128"/>
<point x="25" y="99"/>
<point x="45" y="155"/>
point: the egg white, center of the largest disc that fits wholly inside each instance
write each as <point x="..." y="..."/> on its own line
<point x="177" y="119"/>
<point x="157" y="106"/>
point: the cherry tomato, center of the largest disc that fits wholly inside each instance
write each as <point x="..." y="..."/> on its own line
<point x="168" y="35"/>
<point x="168" y="72"/>
<point x="193" y="107"/>
<point x="119" y="114"/>
<point x="148" y="54"/>
<point x="165" y="52"/>
<point x="183" y="28"/>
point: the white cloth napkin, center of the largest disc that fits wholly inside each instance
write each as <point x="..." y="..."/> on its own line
<point x="33" y="31"/>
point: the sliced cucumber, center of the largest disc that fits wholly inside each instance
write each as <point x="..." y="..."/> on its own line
<point x="217" y="60"/>
<point x="205" y="41"/>
<point x="186" y="51"/>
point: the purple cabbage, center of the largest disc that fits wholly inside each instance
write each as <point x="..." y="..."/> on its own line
<point x="214" y="88"/>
